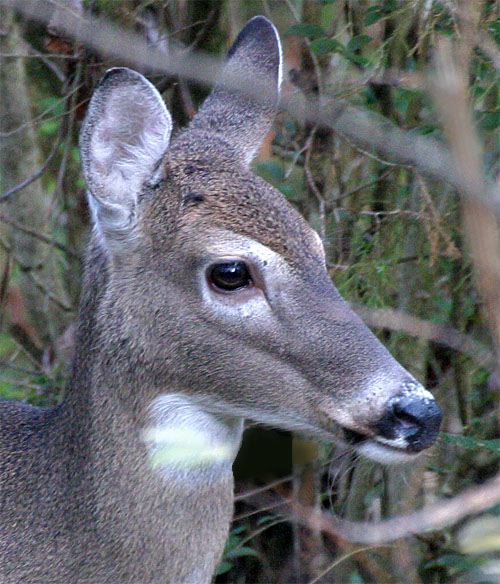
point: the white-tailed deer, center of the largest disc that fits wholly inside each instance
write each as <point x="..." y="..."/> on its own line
<point x="205" y="301"/>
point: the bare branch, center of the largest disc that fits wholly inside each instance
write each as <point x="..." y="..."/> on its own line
<point x="443" y="513"/>
<point x="451" y="93"/>
<point x="394" y="320"/>
<point x="28" y="231"/>
<point x="365" y="129"/>
<point x="35" y="176"/>
<point x="363" y="186"/>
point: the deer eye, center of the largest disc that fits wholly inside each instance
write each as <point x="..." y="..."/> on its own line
<point x="230" y="275"/>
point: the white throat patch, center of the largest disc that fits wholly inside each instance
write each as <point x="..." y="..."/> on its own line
<point x="183" y="439"/>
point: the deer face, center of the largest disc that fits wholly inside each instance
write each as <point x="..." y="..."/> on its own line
<point x="241" y="315"/>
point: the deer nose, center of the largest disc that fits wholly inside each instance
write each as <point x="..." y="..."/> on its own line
<point x="416" y="420"/>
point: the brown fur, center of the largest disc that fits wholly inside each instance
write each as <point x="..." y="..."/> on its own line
<point x="234" y="198"/>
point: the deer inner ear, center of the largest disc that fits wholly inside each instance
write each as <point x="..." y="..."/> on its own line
<point x="124" y="136"/>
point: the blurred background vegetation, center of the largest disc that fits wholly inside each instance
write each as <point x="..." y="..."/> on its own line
<point x="395" y="239"/>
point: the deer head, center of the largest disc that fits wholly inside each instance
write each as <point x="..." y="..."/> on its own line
<point x="216" y="288"/>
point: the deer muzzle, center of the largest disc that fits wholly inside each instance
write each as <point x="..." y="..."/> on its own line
<point x="414" y="421"/>
<point x="409" y="424"/>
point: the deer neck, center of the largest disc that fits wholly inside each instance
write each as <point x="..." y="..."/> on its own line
<point x="168" y="440"/>
<point x="151" y="480"/>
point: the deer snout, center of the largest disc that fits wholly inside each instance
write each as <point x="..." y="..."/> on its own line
<point x="412" y="420"/>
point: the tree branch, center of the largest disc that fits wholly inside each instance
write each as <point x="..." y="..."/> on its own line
<point x="443" y="513"/>
<point x="447" y="336"/>
<point x="365" y="129"/>
<point x="28" y="231"/>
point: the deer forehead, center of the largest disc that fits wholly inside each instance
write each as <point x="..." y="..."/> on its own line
<point x="244" y="207"/>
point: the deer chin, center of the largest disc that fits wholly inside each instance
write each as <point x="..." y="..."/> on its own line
<point x="380" y="449"/>
<point x="375" y="450"/>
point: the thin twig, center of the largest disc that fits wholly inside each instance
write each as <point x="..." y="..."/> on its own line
<point x="207" y="27"/>
<point x="30" y="273"/>
<point x="28" y="231"/>
<point x="363" y="186"/>
<point x="46" y="61"/>
<point x="312" y="183"/>
<point x="259" y="490"/>
<point x="35" y="176"/>
<point x="342" y="558"/>
<point x="42" y="117"/>
<point x="269" y="507"/>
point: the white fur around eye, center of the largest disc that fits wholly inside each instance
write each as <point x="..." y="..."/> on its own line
<point x="243" y="306"/>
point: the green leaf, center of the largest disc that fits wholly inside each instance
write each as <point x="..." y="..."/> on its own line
<point x="306" y="30"/>
<point x="75" y="154"/>
<point x="494" y="29"/>
<point x="358" y="42"/>
<point x="53" y="105"/>
<point x="373" y="494"/>
<point x="373" y="15"/>
<point x="271" y="170"/>
<point x="223" y="567"/>
<point x="480" y="535"/>
<point x="325" y="46"/>
<point x="426" y="129"/>
<point x="471" y="443"/>
<point x="358" y="59"/>
<point x="241" y="552"/>
<point x="289" y="191"/>
<point x="50" y="127"/>
<point x="490" y="120"/>
<point x="455" y="562"/>
<point x="266" y="519"/>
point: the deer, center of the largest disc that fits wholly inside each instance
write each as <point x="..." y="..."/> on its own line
<point x="205" y="301"/>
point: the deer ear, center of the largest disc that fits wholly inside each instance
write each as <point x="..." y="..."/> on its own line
<point x="254" y="61"/>
<point x="124" y="136"/>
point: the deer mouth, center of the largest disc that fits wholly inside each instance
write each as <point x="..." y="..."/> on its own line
<point x="380" y="449"/>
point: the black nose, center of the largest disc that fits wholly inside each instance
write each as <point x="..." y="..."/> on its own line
<point x="416" y="420"/>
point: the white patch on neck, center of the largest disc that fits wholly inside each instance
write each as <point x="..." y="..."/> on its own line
<point x="184" y="440"/>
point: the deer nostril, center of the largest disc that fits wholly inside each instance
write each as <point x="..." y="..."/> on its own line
<point x="415" y="419"/>
<point x="406" y="419"/>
